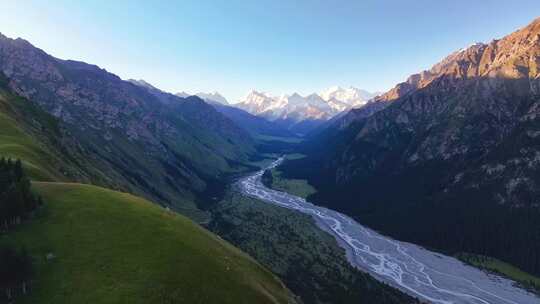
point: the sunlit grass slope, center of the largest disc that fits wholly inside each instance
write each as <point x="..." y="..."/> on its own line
<point x="112" y="247"/>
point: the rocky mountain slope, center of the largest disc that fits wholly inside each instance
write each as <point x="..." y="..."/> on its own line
<point x="458" y="143"/>
<point x="47" y="150"/>
<point x="163" y="147"/>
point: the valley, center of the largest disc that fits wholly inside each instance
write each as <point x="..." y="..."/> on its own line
<point x="308" y="189"/>
<point x="291" y="245"/>
<point x="427" y="275"/>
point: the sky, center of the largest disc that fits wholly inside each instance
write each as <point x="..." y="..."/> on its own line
<point x="274" y="46"/>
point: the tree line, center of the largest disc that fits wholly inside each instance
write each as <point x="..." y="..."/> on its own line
<point x="17" y="202"/>
<point x="16" y="199"/>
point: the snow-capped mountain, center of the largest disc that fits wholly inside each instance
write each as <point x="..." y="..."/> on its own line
<point x="353" y="97"/>
<point x="295" y="107"/>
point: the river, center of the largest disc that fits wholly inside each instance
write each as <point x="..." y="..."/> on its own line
<point x="427" y="275"/>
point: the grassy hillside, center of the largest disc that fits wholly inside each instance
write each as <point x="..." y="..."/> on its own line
<point x="15" y="143"/>
<point x="112" y="247"/>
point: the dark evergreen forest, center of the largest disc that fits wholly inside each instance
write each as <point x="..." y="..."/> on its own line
<point x="410" y="207"/>
<point x="17" y="203"/>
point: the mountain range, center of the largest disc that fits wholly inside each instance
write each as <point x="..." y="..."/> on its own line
<point x="295" y="113"/>
<point x="302" y="113"/>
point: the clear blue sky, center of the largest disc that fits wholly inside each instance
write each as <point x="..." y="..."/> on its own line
<point x="276" y="46"/>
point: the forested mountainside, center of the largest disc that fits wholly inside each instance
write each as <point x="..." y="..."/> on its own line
<point x="132" y="134"/>
<point x="448" y="159"/>
<point x="17" y="204"/>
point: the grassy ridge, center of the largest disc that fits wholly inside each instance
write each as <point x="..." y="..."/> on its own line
<point x="112" y="247"/>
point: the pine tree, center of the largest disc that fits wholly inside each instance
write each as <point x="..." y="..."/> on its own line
<point x="16" y="202"/>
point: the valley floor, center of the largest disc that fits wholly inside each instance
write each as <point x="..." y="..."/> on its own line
<point x="430" y="276"/>
<point x="307" y="259"/>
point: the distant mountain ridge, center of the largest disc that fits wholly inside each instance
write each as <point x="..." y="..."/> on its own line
<point x="296" y="110"/>
<point x="295" y="113"/>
